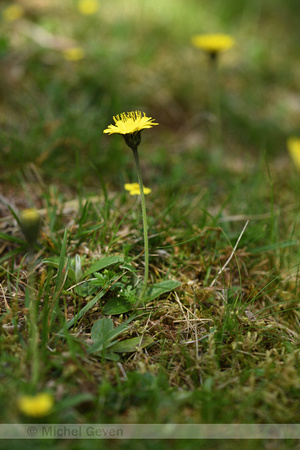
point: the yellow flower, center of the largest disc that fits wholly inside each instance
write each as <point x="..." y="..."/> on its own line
<point x="36" y="406"/>
<point x="88" y="7"/>
<point x="29" y="216"/>
<point x="130" y="122"/>
<point x="134" y="189"/>
<point x="73" y="54"/>
<point x="30" y="222"/>
<point x="293" y="145"/>
<point x="12" y="13"/>
<point x="213" y="43"/>
<point x="130" y="125"/>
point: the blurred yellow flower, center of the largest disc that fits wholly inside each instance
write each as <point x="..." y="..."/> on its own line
<point x="29" y="216"/>
<point x="30" y="222"/>
<point x="36" y="406"/>
<point x="130" y="122"/>
<point x="73" y="53"/>
<point x="293" y="145"/>
<point x="88" y="7"/>
<point x="12" y="13"/>
<point x="134" y="189"/>
<point x="213" y="43"/>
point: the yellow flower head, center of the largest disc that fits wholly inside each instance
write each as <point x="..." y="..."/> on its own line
<point x="73" y="54"/>
<point x="29" y="216"/>
<point x="88" y="7"/>
<point x="134" y="189"/>
<point x="12" y="13"/>
<point x="30" y="222"/>
<point x="36" y="406"/>
<point x="293" y="145"/>
<point x="213" y="43"/>
<point x="130" y="125"/>
<point x="130" y="122"/>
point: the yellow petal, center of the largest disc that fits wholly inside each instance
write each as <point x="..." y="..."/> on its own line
<point x="293" y="145"/>
<point x="130" y="122"/>
<point x="131" y="186"/>
<point x="134" y="192"/>
<point x="29" y="216"/>
<point x="12" y="13"/>
<point x="36" y="406"/>
<point x="213" y="43"/>
<point x="134" y="189"/>
<point x="88" y="7"/>
<point x="73" y="54"/>
<point x="30" y="222"/>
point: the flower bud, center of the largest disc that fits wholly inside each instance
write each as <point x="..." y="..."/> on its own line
<point x="30" y="222"/>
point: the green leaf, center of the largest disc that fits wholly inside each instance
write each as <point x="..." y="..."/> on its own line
<point x="54" y="261"/>
<point x="103" y="263"/>
<point x="74" y="401"/>
<point x="63" y="265"/>
<point x="104" y="335"/>
<point x="105" y="341"/>
<point x="156" y="290"/>
<point x="131" y="345"/>
<point x="117" y="305"/>
<point x="9" y="238"/>
<point x="10" y="254"/>
<point x="85" y="289"/>
<point x="275" y="246"/>
<point x="62" y="273"/>
<point x="112" y="357"/>
<point x="128" y="267"/>
<point x="81" y="313"/>
<point x="101" y="329"/>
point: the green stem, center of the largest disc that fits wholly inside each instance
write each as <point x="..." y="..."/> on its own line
<point x="215" y="106"/>
<point x="34" y="332"/>
<point x="144" y="215"/>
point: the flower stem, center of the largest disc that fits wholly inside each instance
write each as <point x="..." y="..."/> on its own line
<point x="215" y="107"/>
<point x="33" y="330"/>
<point x="144" y="215"/>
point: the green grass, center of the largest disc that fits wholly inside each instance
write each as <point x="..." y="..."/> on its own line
<point x="221" y="343"/>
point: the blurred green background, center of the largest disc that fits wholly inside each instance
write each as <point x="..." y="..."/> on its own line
<point x="67" y="67"/>
<point x="138" y="55"/>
